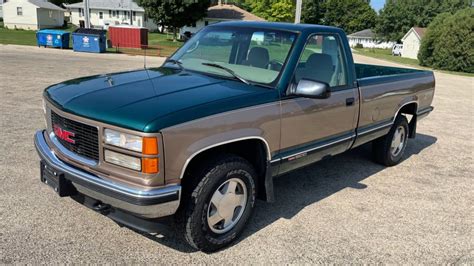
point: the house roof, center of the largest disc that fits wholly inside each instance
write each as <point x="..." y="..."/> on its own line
<point x="40" y="4"/>
<point x="231" y="12"/>
<point x="367" y="33"/>
<point x="419" y="32"/>
<point x="109" y="4"/>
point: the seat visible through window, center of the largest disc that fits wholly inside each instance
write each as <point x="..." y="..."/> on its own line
<point x="318" y="67"/>
<point x="257" y="57"/>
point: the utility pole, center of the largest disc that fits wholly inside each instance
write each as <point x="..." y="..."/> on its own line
<point x="298" y="11"/>
<point x="87" y="19"/>
<point x="131" y="13"/>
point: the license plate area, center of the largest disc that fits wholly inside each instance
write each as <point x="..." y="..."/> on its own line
<point x="56" y="180"/>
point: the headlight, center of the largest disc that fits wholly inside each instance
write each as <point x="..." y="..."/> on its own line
<point x="123" y="160"/>
<point x="123" y="140"/>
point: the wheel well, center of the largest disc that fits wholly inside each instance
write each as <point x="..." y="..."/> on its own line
<point x="253" y="150"/>
<point x="410" y="109"/>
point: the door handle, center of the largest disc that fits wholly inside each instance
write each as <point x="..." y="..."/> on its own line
<point x="349" y="101"/>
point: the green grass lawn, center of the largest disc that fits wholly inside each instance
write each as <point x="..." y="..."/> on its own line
<point x="386" y="54"/>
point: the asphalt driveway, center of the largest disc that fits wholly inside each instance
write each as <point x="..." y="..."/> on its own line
<point x="345" y="209"/>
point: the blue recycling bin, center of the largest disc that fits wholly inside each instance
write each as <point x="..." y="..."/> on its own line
<point x="53" y="38"/>
<point x="89" y="40"/>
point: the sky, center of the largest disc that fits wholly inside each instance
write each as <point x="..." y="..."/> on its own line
<point x="377" y="4"/>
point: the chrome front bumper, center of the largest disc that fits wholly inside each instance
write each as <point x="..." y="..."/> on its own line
<point x="152" y="203"/>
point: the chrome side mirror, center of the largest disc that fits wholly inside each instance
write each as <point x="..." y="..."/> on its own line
<point x="312" y="89"/>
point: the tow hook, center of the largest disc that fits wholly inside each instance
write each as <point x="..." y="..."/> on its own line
<point x="101" y="207"/>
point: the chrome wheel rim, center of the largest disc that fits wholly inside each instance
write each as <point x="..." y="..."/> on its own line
<point x="227" y="205"/>
<point x="398" y="141"/>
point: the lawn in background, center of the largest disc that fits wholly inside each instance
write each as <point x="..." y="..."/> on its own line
<point x="160" y="44"/>
<point x="386" y="54"/>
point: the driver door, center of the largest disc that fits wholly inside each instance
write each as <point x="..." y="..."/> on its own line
<point x="312" y="129"/>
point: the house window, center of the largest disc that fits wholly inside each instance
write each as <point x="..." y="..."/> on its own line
<point x="110" y="13"/>
<point x="81" y="12"/>
<point x="101" y="15"/>
<point x="113" y="13"/>
<point x="19" y="11"/>
<point x="50" y="13"/>
<point x="206" y="23"/>
<point x="134" y="16"/>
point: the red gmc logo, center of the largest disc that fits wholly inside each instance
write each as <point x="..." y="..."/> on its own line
<point x="63" y="134"/>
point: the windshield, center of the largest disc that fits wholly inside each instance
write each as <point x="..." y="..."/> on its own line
<point x="254" y="55"/>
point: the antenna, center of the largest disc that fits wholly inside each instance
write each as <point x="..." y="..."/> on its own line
<point x="144" y="59"/>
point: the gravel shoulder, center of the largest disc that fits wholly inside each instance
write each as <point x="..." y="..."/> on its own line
<point x="342" y="210"/>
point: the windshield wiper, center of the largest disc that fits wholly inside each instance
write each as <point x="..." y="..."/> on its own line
<point x="176" y="62"/>
<point x="230" y="71"/>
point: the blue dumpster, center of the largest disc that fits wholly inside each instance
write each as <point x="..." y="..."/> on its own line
<point x="89" y="40"/>
<point x="53" y="38"/>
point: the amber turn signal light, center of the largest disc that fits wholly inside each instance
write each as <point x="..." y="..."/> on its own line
<point x="150" y="146"/>
<point x="150" y="165"/>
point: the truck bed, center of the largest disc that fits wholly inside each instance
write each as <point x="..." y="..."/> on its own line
<point x="364" y="71"/>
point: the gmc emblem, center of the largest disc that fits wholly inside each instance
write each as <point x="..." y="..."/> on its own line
<point x="63" y="134"/>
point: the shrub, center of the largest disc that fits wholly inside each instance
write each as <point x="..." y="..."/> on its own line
<point x="359" y="45"/>
<point x="449" y="41"/>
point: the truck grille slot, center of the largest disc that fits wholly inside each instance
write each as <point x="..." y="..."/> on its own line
<point x="86" y="138"/>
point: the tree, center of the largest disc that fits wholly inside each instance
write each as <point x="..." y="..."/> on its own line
<point x="175" y="13"/>
<point x="282" y="11"/>
<point x="398" y="16"/>
<point x="449" y="41"/>
<point x="312" y="11"/>
<point x="350" y="15"/>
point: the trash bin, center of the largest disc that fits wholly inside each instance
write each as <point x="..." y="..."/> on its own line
<point x="89" y="40"/>
<point x="53" y="38"/>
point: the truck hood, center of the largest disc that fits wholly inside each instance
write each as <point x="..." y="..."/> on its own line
<point x="152" y="99"/>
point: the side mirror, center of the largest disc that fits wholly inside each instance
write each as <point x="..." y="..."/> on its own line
<point x="312" y="89"/>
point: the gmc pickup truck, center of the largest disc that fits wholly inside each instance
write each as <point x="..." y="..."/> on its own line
<point x="202" y="136"/>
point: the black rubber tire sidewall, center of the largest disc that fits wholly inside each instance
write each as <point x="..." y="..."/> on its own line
<point x="381" y="147"/>
<point x="197" y="231"/>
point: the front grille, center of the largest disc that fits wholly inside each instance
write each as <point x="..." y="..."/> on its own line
<point x="86" y="138"/>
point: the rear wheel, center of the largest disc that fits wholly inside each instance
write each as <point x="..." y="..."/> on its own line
<point x="389" y="149"/>
<point x="220" y="204"/>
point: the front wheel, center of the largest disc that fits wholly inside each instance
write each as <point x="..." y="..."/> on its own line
<point x="220" y="204"/>
<point x="389" y="149"/>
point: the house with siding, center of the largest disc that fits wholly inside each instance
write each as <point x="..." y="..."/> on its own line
<point x="218" y="13"/>
<point x="367" y="39"/>
<point x="32" y="14"/>
<point x="104" y="13"/>
<point x="412" y="41"/>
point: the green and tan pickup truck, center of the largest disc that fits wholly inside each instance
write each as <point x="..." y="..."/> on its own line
<point x="202" y="136"/>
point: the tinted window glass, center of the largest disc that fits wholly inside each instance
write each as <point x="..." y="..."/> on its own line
<point x="322" y="60"/>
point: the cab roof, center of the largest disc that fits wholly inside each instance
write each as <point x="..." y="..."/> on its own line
<point x="278" y="26"/>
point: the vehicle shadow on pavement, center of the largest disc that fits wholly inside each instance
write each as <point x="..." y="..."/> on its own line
<point x="303" y="187"/>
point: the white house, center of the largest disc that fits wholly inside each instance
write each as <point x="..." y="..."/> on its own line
<point x="32" y="14"/>
<point x="412" y="41"/>
<point x="367" y="39"/>
<point x="104" y="13"/>
<point x="217" y="13"/>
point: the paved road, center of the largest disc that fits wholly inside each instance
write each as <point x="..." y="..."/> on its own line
<point x="345" y="209"/>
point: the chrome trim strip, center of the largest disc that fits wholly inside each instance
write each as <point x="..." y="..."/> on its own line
<point x="269" y="156"/>
<point x="319" y="147"/>
<point x="47" y="154"/>
<point x="69" y="153"/>
<point x="363" y="132"/>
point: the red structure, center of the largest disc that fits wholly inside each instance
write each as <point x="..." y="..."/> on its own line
<point x="128" y="36"/>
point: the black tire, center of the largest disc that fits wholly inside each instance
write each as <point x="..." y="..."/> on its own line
<point x="192" y="217"/>
<point x="381" y="147"/>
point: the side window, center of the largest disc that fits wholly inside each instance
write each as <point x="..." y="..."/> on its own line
<point x="322" y="60"/>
